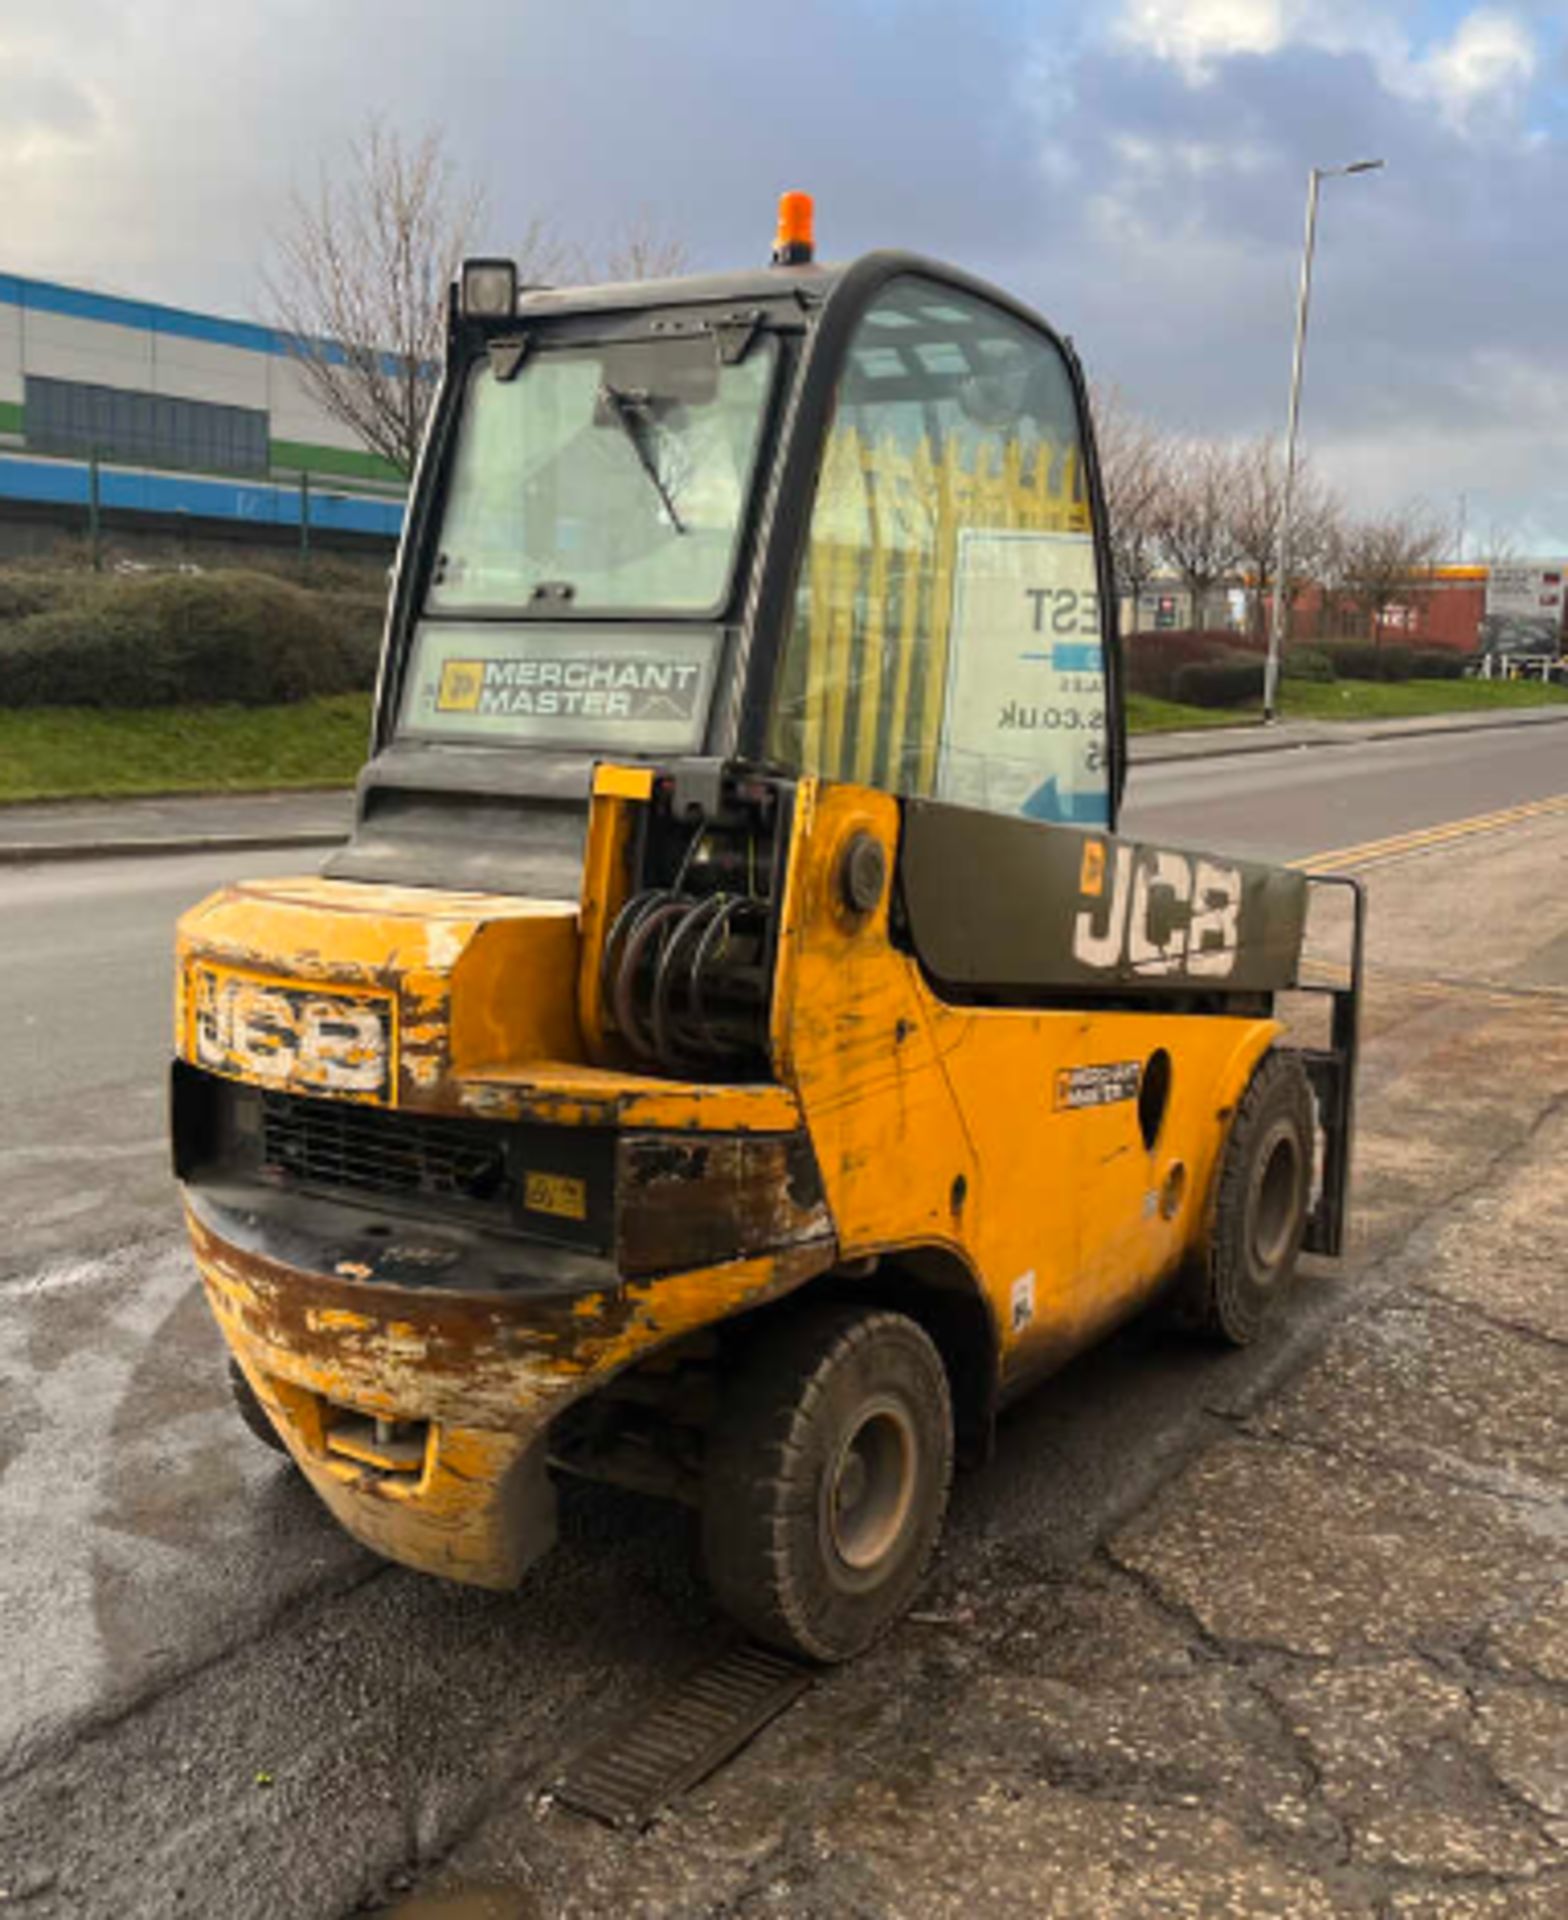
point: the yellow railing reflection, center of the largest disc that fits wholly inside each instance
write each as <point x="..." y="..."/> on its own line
<point x="878" y="598"/>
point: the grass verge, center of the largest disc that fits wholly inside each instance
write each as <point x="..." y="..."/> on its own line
<point x="1145" y="714"/>
<point x="88" y="753"/>
<point x="61" y="753"/>
<point x="1351" y="700"/>
<point x="1410" y="699"/>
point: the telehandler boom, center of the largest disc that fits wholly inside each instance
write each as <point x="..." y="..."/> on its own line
<point x="735" y="1051"/>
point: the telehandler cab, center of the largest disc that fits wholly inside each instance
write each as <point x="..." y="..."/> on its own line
<point x="735" y="1052"/>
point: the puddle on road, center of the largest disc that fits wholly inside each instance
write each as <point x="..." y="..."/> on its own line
<point x="474" y="1903"/>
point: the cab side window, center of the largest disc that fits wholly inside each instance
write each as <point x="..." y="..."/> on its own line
<point x="946" y="639"/>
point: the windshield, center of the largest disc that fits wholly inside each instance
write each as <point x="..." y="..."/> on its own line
<point x="607" y="478"/>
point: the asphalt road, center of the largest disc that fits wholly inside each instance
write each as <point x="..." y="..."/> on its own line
<point x="179" y="1612"/>
<point x="86" y="974"/>
<point x="1281" y="806"/>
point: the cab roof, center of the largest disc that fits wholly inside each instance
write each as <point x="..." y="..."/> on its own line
<point x="809" y="284"/>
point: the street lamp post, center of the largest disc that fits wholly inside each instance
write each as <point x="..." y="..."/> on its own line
<point x="1282" y="552"/>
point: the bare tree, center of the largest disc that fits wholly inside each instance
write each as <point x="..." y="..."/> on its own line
<point x="1317" y="524"/>
<point x="362" y="268"/>
<point x="360" y="277"/>
<point x="1499" y="546"/>
<point x="1195" y="519"/>
<point x="543" y="258"/>
<point x="1134" y="471"/>
<point x="1258" y="499"/>
<point x="1386" y="561"/>
<point x="640" y="249"/>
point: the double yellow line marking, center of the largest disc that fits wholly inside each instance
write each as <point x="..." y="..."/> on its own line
<point x="1374" y="852"/>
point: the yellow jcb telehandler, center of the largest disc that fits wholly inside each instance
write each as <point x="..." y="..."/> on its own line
<point x="735" y="1051"/>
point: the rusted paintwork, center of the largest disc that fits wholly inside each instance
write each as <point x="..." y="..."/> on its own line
<point x="493" y="1360"/>
<point x="570" y="1096"/>
<point x="487" y="1372"/>
<point x="480" y="1509"/>
<point x="691" y="1200"/>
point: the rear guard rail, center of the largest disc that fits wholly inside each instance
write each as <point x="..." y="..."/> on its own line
<point x="1332" y="1072"/>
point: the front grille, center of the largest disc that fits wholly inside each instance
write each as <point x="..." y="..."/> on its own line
<point x="332" y="1143"/>
<point x="530" y="1179"/>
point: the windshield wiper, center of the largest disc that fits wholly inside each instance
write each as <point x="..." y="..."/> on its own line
<point x="629" y="411"/>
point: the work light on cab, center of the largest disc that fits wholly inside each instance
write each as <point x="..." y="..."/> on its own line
<point x="489" y="289"/>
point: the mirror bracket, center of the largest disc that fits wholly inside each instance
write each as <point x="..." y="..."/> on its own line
<point x="506" y="356"/>
<point x="734" y="334"/>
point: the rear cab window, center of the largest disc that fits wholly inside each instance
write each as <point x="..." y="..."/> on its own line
<point x="947" y="631"/>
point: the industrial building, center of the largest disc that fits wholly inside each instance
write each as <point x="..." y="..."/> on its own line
<point x="1511" y="606"/>
<point x="168" y="424"/>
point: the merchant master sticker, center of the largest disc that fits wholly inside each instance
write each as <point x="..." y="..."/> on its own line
<point x="579" y="687"/>
<point x="462" y="682"/>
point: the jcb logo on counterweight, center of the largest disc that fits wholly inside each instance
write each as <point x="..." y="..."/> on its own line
<point x="281" y="1035"/>
<point x="1167" y="913"/>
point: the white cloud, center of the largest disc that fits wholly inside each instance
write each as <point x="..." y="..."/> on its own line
<point x="1193" y="34"/>
<point x="48" y="109"/>
<point x="1490" y="56"/>
<point x="1487" y="61"/>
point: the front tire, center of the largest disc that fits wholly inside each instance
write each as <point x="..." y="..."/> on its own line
<point x="827" y="1478"/>
<point x="1260" y="1205"/>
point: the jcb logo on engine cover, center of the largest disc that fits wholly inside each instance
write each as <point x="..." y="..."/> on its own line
<point x="1167" y="913"/>
<point x="292" y="1035"/>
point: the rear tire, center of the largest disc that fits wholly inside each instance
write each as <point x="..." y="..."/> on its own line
<point x="1260" y="1206"/>
<point x="250" y="1409"/>
<point x="827" y="1478"/>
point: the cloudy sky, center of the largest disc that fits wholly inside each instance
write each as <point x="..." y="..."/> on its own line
<point x="1137" y="170"/>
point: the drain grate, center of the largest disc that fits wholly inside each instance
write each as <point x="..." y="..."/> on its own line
<point x="625" y="1777"/>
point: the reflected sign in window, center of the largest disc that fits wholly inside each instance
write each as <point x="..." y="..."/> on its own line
<point x="1024" y="729"/>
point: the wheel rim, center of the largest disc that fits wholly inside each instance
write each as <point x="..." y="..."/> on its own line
<point x="1275" y="1202"/>
<point x="868" y="1496"/>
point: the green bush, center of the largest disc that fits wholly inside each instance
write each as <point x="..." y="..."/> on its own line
<point x="1353" y="659"/>
<point x="1153" y="660"/>
<point x="22" y="594"/>
<point x="1440" y="663"/>
<point x="1307" y="663"/>
<point x="1364" y="660"/>
<point x="1219" y="683"/>
<point x="162" y="640"/>
<point x="323" y="572"/>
